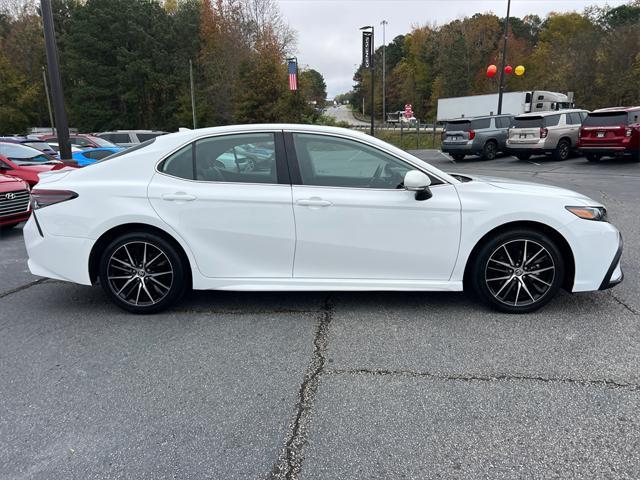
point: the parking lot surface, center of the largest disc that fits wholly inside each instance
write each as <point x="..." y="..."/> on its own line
<point x="328" y="386"/>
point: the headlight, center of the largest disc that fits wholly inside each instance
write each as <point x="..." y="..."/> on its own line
<point x="597" y="214"/>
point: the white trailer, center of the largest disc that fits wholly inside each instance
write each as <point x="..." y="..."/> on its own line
<point x="514" y="103"/>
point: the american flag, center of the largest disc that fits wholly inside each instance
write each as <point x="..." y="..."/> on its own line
<point x="293" y="75"/>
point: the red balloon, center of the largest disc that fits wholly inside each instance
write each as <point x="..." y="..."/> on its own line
<point x="491" y="71"/>
<point x="508" y="69"/>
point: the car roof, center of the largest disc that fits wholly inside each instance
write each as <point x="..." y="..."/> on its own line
<point x="481" y="117"/>
<point x="616" y="109"/>
<point x="132" y="131"/>
<point x="551" y="112"/>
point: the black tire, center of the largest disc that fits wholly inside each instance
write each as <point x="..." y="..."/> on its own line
<point x="523" y="156"/>
<point x="498" y="285"/>
<point x="562" y="151"/>
<point x="489" y="151"/>
<point x="156" y="289"/>
<point x="635" y="156"/>
<point x="593" y="157"/>
<point x="457" y="156"/>
<point x="9" y="226"/>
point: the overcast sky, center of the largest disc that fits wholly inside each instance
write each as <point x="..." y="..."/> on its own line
<point x="329" y="40"/>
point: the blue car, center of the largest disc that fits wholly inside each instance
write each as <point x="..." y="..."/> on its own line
<point x="92" y="155"/>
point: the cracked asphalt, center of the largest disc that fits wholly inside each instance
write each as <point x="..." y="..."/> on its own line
<point x="338" y="386"/>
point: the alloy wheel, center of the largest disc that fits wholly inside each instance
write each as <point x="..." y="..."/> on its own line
<point x="520" y="273"/>
<point x="140" y="273"/>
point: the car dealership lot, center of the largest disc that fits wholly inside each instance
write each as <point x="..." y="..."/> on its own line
<point x="314" y="385"/>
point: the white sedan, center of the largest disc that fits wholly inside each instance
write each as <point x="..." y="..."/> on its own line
<point x="333" y="210"/>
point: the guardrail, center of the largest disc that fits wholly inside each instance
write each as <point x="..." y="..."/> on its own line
<point x="417" y="136"/>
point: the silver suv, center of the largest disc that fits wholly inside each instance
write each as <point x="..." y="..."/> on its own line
<point x="484" y="136"/>
<point x="545" y="133"/>
<point x="129" y="138"/>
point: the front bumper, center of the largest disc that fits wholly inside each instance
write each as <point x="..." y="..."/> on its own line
<point x="15" y="218"/>
<point x="614" y="275"/>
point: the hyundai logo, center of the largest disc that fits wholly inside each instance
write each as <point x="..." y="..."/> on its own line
<point x="10" y="196"/>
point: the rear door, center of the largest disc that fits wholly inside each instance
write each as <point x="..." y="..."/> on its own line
<point x="457" y="132"/>
<point x="238" y="223"/>
<point x="526" y="130"/>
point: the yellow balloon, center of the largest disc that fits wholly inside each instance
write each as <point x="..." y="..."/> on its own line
<point x="520" y="70"/>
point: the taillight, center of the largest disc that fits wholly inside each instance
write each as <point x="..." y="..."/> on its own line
<point x="627" y="132"/>
<point x="472" y="134"/>
<point x="544" y="132"/>
<point x="581" y="134"/>
<point x="44" y="198"/>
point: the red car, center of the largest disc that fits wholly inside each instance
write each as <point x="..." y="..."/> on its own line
<point x="611" y="132"/>
<point x="14" y="201"/>
<point x="25" y="162"/>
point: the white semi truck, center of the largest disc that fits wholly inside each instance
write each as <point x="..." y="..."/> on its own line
<point x="514" y="103"/>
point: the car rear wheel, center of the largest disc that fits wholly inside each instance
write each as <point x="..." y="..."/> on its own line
<point x="9" y="226"/>
<point x="518" y="271"/>
<point x="489" y="151"/>
<point x="635" y="156"/>
<point x="562" y="151"/>
<point x="457" y="156"/>
<point x="523" y="156"/>
<point x="142" y="273"/>
<point x="592" y="157"/>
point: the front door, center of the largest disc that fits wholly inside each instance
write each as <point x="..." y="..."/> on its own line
<point x="233" y="211"/>
<point x="355" y="221"/>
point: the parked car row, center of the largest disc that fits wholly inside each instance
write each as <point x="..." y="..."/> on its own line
<point x="602" y="133"/>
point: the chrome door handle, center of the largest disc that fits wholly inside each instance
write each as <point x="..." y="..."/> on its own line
<point x="313" y="202"/>
<point x="178" y="196"/>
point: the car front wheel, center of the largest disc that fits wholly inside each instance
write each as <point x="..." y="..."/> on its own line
<point x="518" y="271"/>
<point x="142" y="273"/>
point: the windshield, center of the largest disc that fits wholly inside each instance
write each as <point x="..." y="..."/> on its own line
<point x="42" y="146"/>
<point x="606" y="119"/>
<point x="527" y="122"/>
<point x="22" y="154"/>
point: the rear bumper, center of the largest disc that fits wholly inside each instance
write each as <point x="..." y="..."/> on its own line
<point x="464" y="148"/>
<point x="600" y="150"/>
<point x="55" y="256"/>
<point x="614" y="275"/>
<point x="539" y="148"/>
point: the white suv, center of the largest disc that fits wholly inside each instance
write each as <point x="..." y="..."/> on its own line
<point x="545" y="133"/>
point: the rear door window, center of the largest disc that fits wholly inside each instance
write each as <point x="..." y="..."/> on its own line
<point x="574" y="118"/>
<point x="552" y="120"/>
<point x="481" y="123"/>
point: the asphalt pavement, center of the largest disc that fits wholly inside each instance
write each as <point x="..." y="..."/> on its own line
<point x="343" y="113"/>
<point x="328" y="386"/>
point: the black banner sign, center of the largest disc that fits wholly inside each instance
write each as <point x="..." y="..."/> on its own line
<point x="367" y="49"/>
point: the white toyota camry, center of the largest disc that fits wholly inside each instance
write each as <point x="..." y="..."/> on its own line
<point x="320" y="209"/>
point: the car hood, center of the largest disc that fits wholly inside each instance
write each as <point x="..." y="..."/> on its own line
<point x="5" y="180"/>
<point x="532" y="188"/>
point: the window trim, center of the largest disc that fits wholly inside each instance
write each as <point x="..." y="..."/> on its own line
<point x="294" y="166"/>
<point x="282" y="171"/>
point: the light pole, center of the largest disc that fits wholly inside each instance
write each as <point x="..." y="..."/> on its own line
<point x="504" y="58"/>
<point x="62" y="127"/>
<point x="193" y="95"/>
<point x="384" y="73"/>
<point x="371" y="52"/>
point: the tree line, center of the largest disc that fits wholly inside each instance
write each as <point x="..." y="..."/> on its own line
<point x="595" y="54"/>
<point x="125" y="64"/>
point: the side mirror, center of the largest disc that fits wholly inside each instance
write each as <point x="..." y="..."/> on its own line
<point x="419" y="182"/>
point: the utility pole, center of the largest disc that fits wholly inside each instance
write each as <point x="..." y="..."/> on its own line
<point x="55" y="80"/>
<point x="384" y="23"/>
<point x="368" y="32"/>
<point x="46" y="91"/>
<point x="504" y="57"/>
<point x="193" y="95"/>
